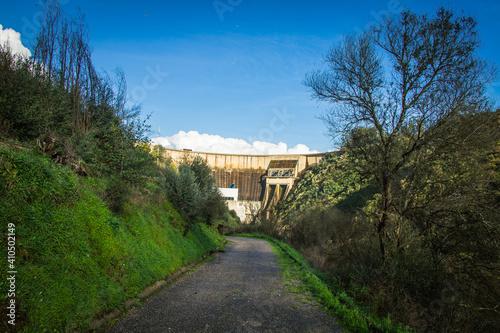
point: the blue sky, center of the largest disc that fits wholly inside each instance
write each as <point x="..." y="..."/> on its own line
<point x="232" y="68"/>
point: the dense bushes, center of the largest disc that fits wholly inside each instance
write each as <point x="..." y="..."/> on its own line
<point x="442" y="259"/>
<point x="191" y="188"/>
<point x="35" y="110"/>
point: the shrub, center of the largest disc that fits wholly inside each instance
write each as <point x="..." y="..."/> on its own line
<point x="191" y="188"/>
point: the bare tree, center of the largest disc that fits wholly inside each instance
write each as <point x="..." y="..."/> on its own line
<point x="45" y="48"/>
<point x="63" y="46"/>
<point x="122" y="111"/>
<point x="406" y="80"/>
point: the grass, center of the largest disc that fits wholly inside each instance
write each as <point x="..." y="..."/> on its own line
<point x="74" y="257"/>
<point x="301" y="279"/>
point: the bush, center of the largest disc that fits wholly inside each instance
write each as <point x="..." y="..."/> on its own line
<point x="116" y="193"/>
<point x="192" y="190"/>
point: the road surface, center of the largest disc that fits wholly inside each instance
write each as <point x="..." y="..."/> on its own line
<point x="240" y="290"/>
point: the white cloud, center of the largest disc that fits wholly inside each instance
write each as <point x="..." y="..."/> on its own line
<point x="217" y="144"/>
<point x="12" y="38"/>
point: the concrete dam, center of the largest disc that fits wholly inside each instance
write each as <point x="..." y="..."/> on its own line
<point x="252" y="184"/>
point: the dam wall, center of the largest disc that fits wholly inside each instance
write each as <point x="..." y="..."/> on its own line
<point x="237" y="161"/>
<point x="262" y="180"/>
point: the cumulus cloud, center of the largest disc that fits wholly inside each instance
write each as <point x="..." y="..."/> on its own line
<point x="12" y="38"/>
<point x="217" y="144"/>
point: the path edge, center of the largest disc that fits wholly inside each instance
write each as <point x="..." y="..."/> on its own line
<point x="101" y="320"/>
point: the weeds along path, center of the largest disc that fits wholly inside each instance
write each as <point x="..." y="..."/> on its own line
<point x="240" y="290"/>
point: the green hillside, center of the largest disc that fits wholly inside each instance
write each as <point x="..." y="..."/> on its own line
<point x="89" y="217"/>
<point x="74" y="257"/>
<point x="332" y="182"/>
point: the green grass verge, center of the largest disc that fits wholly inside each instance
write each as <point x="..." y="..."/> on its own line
<point x="74" y="258"/>
<point x="301" y="280"/>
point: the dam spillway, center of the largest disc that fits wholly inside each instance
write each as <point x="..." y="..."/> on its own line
<point x="250" y="182"/>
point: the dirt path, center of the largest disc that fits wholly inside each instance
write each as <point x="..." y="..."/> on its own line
<point x="241" y="290"/>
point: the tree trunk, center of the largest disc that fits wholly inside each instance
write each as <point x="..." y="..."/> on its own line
<point x="384" y="212"/>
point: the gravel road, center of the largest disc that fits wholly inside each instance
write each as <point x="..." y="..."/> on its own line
<point x="241" y="290"/>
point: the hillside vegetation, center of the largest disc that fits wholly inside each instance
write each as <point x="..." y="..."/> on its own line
<point x="405" y="216"/>
<point x="75" y="258"/>
<point x="90" y="214"/>
<point x="442" y="271"/>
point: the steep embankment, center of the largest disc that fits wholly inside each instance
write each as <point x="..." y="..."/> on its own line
<point x="74" y="258"/>
<point x="331" y="182"/>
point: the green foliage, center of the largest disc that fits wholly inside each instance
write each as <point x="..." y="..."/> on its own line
<point x="443" y="231"/>
<point x="192" y="190"/>
<point x="234" y="219"/>
<point x="334" y="181"/>
<point x="30" y="107"/>
<point x="397" y="92"/>
<point x="74" y="257"/>
<point x="86" y="124"/>
<point x="116" y="193"/>
<point x="182" y="189"/>
<point x="115" y="149"/>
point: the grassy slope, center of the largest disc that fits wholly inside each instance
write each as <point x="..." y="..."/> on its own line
<point x="74" y="258"/>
